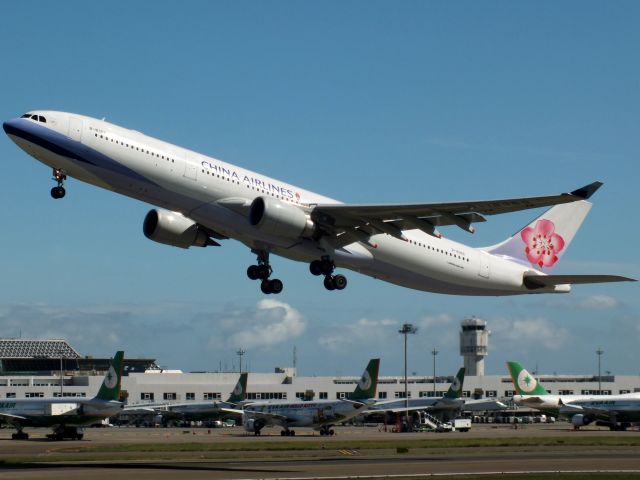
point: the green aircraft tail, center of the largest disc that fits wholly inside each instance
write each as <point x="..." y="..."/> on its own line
<point x="455" y="390"/>
<point x="110" y="388"/>
<point x="523" y="381"/>
<point x="368" y="383"/>
<point x="240" y="391"/>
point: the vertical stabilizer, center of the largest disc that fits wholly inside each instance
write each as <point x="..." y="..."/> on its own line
<point x="455" y="390"/>
<point x="110" y="388"/>
<point x="368" y="383"/>
<point x="523" y="381"/>
<point x="239" y="392"/>
<point x="542" y="243"/>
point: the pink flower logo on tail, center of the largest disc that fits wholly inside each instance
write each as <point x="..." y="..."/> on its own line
<point x="542" y="244"/>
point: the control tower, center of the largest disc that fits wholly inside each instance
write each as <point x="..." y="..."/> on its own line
<point x="474" y="345"/>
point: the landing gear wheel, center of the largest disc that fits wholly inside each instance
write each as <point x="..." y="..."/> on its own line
<point x="328" y="283"/>
<point x="339" y="282"/>
<point x="332" y="432"/>
<point x="326" y="266"/>
<point x="315" y="268"/>
<point x="292" y="433"/>
<point x="20" y="436"/>
<point x="276" y="286"/>
<point x="252" y="272"/>
<point x="58" y="192"/>
<point x="264" y="271"/>
<point x="265" y="286"/>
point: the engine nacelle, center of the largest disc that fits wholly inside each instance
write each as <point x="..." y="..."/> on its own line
<point x="173" y="228"/>
<point x="580" y="420"/>
<point x="254" y="425"/>
<point x="280" y="219"/>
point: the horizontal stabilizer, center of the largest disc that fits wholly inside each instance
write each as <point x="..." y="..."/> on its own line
<point x="541" y="281"/>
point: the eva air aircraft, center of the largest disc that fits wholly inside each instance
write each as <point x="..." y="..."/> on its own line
<point x="452" y="400"/>
<point x="319" y="414"/>
<point x="614" y="411"/>
<point x="193" y="411"/>
<point x="66" y="416"/>
<point x="202" y="201"/>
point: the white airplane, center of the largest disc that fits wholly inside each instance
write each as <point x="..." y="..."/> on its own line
<point x="618" y="412"/>
<point x="202" y="200"/>
<point x="319" y="414"/>
<point x="66" y="416"/>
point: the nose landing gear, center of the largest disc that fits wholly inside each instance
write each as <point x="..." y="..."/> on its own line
<point x="325" y="266"/>
<point x="59" y="176"/>
<point x="262" y="271"/>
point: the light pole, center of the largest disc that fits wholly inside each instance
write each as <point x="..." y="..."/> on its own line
<point x="434" y="352"/>
<point x="599" y="352"/>
<point x="406" y="329"/>
<point x="240" y="353"/>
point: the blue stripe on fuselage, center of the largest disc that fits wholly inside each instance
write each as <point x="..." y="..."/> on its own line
<point x="66" y="147"/>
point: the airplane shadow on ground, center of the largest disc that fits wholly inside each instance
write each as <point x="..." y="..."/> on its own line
<point x="135" y="466"/>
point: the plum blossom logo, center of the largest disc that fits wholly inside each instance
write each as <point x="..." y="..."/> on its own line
<point x="365" y="381"/>
<point x="542" y="243"/>
<point x="526" y="382"/>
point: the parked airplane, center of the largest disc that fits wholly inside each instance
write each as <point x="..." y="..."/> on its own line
<point x="194" y="411"/>
<point x="66" y="416"/>
<point x="203" y="200"/>
<point x="319" y="414"/>
<point x="614" y="411"/>
<point x="452" y="400"/>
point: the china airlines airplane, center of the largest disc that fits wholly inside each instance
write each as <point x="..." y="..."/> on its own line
<point x="202" y="200"/>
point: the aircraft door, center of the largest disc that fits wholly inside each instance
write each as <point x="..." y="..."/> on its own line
<point x="190" y="167"/>
<point x="484" y="265"/>
<point x="75" y="128"/>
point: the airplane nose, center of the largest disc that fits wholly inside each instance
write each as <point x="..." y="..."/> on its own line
<point x="12" y="127"/>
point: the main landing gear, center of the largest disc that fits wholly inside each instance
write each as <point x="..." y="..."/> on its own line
<point x="327" y="431"/>
<point x="59" y="176"/>
<point x="288" y="433"/>
<point x="325" y="266"/>
<point x="262" y="271"/>
<point x="62" y="432"/>
<point x="19" y="435"/>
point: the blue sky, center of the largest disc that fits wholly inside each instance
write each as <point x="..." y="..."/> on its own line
<point x="360" y="101"/>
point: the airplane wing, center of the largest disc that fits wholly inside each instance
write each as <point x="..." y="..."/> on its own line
<point x="13" y="419"/>
<point x="366" y="220"/>
<point x="540" y="281"/>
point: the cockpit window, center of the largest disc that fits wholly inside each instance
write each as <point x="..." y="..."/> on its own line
<point x="37" y="118"/>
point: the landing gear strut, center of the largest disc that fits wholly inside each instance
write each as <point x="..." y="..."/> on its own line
<point x="59" y="176"/>
<point x="325" y="266"/>
<point x="19" y="435"/>
<point x="262" y="271"/>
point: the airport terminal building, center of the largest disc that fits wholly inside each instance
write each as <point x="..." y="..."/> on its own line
<point x="52" y="368"/>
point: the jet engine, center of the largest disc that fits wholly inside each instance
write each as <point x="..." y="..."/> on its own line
<point x="280" y="219"/>
<point x="254" y="425"/>
<point x="580" y="420"/>
<point x="173" y="228"/>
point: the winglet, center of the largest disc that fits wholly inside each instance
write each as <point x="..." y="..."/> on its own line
<point x="588" y="190"/>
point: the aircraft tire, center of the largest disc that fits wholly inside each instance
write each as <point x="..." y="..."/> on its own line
<point x="276" y="286"/>
<point x="326" y="266"/>
<point x="340" y="282"/>
<point x="263" y="271"/>
<point x="252" y="272"/>
<point x="58" y="192"/>
<point x="328" y="283"/>
<point x="265" y="286"/>
<point x="315" y="268"/>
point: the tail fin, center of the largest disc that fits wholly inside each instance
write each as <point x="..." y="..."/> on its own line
<point x="240" y="390"/>
<point x="110" y="388"/>
<point x="523" y="381"/>
<point x="542" y="243"/>
<point x="368" y="383"/>
<point x="455" y="390"/>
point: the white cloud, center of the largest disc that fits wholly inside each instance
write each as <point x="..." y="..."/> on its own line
<point x="358" y="333"/>
<point x="592" y="302"/>
<point x="272" y="322"/>
<point x="527" y="334"/>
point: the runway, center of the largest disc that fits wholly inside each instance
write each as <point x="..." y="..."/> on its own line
<point x="93" y="459"/>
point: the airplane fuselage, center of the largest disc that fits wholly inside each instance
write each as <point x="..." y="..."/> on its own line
<point x="217" y="195"/>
